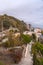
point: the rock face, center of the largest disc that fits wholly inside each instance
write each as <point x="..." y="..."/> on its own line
<point x="16" y="54"/>
<point x="10" y="56"/>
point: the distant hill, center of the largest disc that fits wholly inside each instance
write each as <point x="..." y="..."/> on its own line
<point x="11" y="21"/>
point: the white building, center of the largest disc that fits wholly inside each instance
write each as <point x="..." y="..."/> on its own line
<point x="38" y="33"/>
<point x="37" y="30"/>
<point x="28" y="33"/>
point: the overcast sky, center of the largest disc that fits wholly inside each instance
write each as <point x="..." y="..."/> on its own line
<point x="31" y="11"/>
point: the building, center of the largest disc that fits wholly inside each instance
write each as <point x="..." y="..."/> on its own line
<point x="38" y="33"/>
<point x="37" y="30"/>
<point x="28" y="33"/>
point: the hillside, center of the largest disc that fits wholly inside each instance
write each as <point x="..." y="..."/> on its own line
<point x="11" y="21"/>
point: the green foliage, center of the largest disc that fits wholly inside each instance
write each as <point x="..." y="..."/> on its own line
<point x="26" y="38"/>
<point x="37" y="61"/>
<point x="37" y="50"/>
<point x="40" y="61"/>
<point x="38" y="47"/>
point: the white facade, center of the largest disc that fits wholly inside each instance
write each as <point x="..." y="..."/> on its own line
<point x="37" y="30"/>
<point x="28" y="33"/>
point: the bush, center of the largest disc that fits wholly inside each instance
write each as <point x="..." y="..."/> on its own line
<point x="26" y="38"/>
<point x="37" y="50"/>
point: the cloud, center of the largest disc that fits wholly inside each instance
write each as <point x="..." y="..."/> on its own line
<point x="31" y="11"/>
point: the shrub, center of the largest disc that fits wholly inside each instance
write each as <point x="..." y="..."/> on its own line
<point x="37" y="50"/>
<point x="26" y="38"/>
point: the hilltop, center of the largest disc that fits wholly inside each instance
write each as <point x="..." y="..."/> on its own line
<point x="11" y="21"/>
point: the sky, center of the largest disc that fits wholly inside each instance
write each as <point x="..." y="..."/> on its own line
<point x="31" y="11"/>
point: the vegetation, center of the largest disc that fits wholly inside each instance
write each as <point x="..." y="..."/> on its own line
<point x="10" y="42"/>
<point x="12" y="21"/>
<point x="6" y="24"/>
<point x="26" y="38"/>
<point x="37" y="50"/>
<point x="16" y="41"/>
<point x="37" y="47"/>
